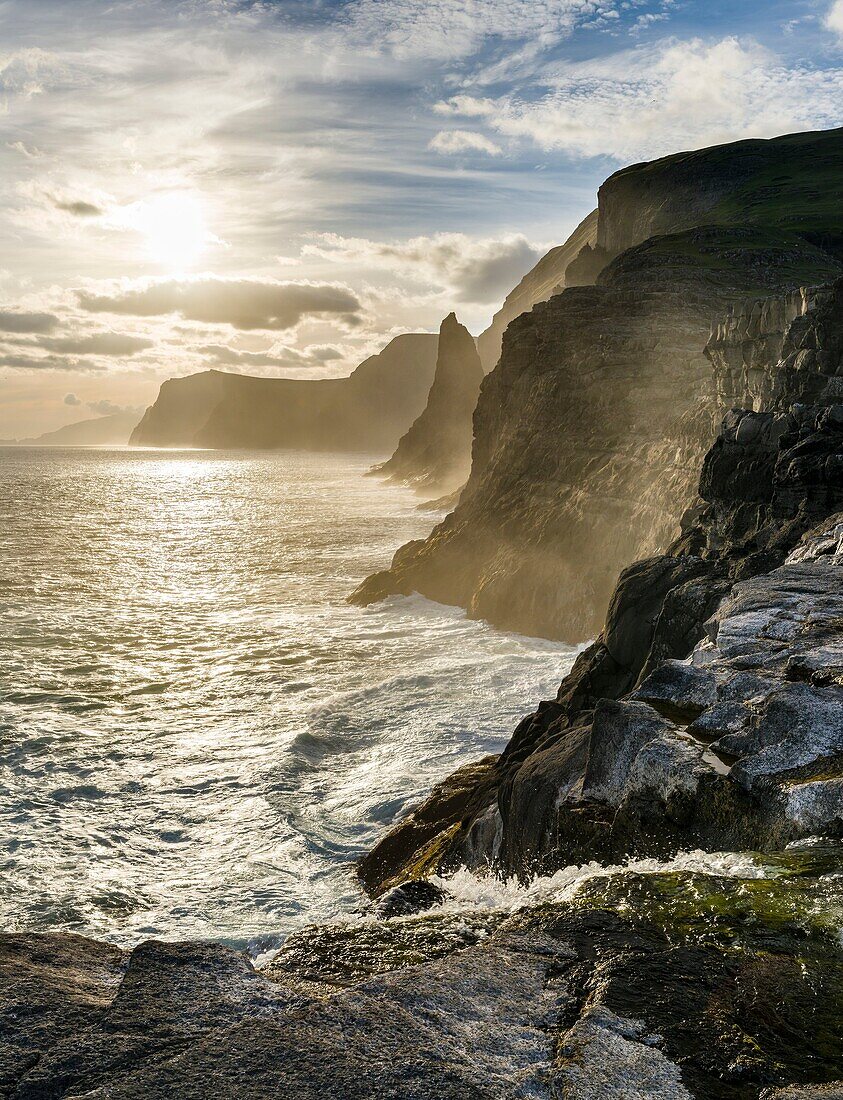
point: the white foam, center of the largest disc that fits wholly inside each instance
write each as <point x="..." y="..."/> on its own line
<point x="471" y="891"/>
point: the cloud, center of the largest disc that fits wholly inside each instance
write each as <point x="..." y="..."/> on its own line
<point x="108" y="408"/>
<point x="30" y="152"/>
<point x="282" y="357"/>
<point x="72" y="399"/>
<point x="241" y="303"/>
<point x="472" y="269"/>
<point x="447" y="30"/>
<point x="11" y="321"/>
<point x="461" y="141"/>
<point x="79" y="208"/>
<point x="19" y="361"/>
<point x="97" y="343"/>
<point x="657" y="100"/>
<point x="834" y="17"/>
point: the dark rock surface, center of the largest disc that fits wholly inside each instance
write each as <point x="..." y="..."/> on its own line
<point x="435" y="454"/>
<point x="367" y="411"/>
<point x="661" y="986"/>
<point x="709" y="712"/>
<point x="589" y="433"/>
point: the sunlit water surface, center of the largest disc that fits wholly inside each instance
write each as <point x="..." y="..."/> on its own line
<point x="197" y="734"/>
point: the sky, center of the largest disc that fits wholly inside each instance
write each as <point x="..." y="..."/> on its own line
<point x="279" y="187"/>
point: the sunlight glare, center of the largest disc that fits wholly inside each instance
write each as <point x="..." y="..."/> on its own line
<point x="174" y="229"/>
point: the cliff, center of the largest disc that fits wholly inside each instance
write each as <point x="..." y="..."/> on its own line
<point x="548" y="277"/>
<point x="709" y="711"/>
<point x="792" y="183"/>
<point x="435" y="454"/>
<point x="589" y="433"/>
<point x="367" y="411"/>
<point x="98" y="431"/>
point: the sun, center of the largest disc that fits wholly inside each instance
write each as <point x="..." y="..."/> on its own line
<point x="174" y="229"/>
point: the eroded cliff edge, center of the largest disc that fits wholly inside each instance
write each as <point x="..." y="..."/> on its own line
<point x="589" y="433"/>
<point x="709" y="712"/>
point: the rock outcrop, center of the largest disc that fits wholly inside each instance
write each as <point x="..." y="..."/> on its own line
<point x="589" y="433"/>
<point x="367" y="411"/>
<point x="434" y="456"/>
<point x="709" y="712"/>
<point x="470" y="1005"/>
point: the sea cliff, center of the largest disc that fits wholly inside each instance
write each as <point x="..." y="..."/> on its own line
<point x="589" y="433"/>
<point x="434" y="456"/>
<point x="367" y="411"/>
<point x="641" y="896"/>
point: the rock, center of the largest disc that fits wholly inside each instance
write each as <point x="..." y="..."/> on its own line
<point x="673" y="984"/>
<point x="709" y="712"/>
<point x="548" y="277"/>
<point x="435" y="454"/>
<point x="410" y="897"/>
<point x="590" y="431"/>
<point x="367" y="411"/>
<point x="415" y="846"/>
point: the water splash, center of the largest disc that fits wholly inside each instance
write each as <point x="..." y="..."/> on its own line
<point x="471" y="891"/>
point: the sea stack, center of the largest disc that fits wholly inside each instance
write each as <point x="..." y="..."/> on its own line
<point x="435" y="454"/>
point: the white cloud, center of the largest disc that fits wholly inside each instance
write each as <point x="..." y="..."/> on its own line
<point x="834" y="17"/>
<point x="469" y="268"/>
<point x="104" y="407"/>
<point x="450" y="29"/>
<point x="463" y="141"/>
<point x="654" y="101"/>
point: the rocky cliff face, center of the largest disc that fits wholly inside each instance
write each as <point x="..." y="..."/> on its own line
<point x="709" y="712"/>
<point x="590" y="432"/>
<point x="368" y="411"/>
<point x="548" y="277"/>
<point x="589" y="436"/>
<point x="435" y="454"/>
<point x="792" y="182"/>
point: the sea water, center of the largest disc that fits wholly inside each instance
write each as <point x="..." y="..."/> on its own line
<point x="198" y="735"/>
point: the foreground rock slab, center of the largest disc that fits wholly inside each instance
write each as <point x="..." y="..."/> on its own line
<point x="665" y="985"/>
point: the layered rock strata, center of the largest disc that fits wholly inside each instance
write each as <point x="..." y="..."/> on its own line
<point x="434" y="456"/>
<point x="551" y="275"/>
<point x="709" y="711"/>
<point x="367" y="411"/>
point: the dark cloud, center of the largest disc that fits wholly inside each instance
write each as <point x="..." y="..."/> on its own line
<point x="97" y="343"/>
<point x="80" y="209"/>
<point x="242" y="303"/>
<point x="72" y="399"/>
<point x="27" y="322"/>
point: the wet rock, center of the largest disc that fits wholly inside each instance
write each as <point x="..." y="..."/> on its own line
<point x="708" y="712"/>
<point x="409" y="898"/>
<point x="675" y="984"/>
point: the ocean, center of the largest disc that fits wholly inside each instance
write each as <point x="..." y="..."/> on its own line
<point x="198" y="735"/>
